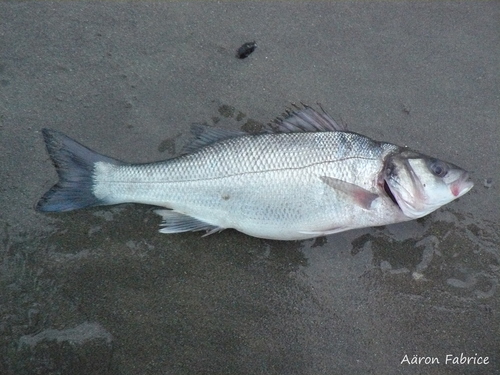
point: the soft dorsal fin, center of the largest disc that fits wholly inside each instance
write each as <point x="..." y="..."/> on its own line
<point x="306" y="120"/>
<point x="205" y="135"/>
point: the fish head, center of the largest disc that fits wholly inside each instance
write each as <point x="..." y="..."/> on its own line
<point x="420" y="184"/>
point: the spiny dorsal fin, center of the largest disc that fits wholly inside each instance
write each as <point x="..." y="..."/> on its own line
<point x="305" y="120"/>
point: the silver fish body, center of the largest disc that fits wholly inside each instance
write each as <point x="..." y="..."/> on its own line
<point x="310" y="178"/>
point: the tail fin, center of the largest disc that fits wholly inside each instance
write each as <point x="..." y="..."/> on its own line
<point x="75" y="166"/>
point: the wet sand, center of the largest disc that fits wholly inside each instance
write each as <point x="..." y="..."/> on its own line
<point x="100" y="291"/>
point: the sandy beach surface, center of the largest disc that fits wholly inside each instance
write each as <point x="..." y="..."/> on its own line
<point x="100" y="291"/>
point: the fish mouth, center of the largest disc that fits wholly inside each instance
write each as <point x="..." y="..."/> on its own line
<point x="461" y="185"/>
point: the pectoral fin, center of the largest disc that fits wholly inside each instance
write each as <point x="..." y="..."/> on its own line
<point x="359" y="196"/>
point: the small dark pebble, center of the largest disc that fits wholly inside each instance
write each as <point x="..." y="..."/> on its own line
<point x="245" y="50"/>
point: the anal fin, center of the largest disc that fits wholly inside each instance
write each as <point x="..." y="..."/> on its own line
<point x="175" y="222"/>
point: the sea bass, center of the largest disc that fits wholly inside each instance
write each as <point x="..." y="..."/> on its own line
<point x="304" y="177"/>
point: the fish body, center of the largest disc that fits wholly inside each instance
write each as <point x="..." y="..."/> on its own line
<point x="307" y="178"/>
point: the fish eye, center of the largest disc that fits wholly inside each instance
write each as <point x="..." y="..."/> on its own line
<point x="439" y="168"/>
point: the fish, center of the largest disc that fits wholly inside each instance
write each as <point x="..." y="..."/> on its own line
<point x="302" y="177"/>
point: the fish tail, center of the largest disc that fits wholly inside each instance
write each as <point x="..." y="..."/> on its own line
<point x="75" y="167"/>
